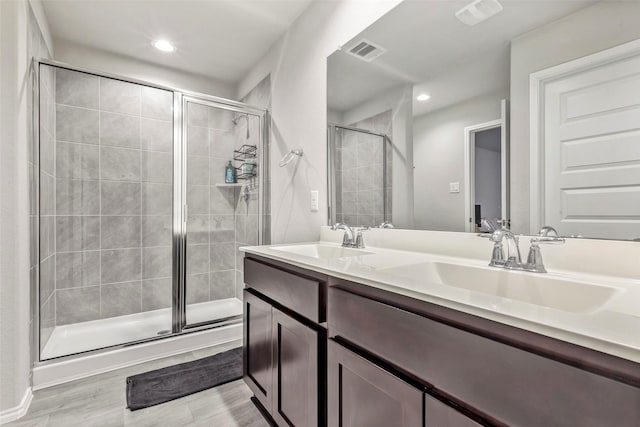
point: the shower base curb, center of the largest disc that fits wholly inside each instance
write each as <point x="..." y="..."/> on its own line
<point x="59" y="372"/>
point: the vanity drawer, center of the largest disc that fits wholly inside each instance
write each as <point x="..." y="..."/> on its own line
<point x="497" y="381"/>
<point x="299" y="294"/>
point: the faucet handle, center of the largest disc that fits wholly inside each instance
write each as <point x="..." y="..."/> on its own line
<point x="359" y="243"/>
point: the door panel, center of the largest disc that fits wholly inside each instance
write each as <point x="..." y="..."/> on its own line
<point x="295" y="373"/>
<point x="362" y="394"/>
<point x="438" y="414"/>
<point x="258" y="358"/>
<point x="592" y="151"/>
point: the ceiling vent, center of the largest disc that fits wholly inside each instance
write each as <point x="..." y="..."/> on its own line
<point x="478" y="11"/>
<point x="365" y="50"/>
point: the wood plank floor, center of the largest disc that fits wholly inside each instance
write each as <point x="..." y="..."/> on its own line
<point x="99" y="401"/>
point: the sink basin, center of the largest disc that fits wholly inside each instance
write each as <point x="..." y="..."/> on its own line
<point x="532" y="288"/>
<point x="320" y="251"/>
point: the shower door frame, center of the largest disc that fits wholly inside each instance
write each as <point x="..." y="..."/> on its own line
<point x="179" y="317"/>
<point x="332" y="129"/>
<point x="178" y="307"/>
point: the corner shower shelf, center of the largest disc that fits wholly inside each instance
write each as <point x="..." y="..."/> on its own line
<point x="225" y="185"/>
<point x="246" y="155"/>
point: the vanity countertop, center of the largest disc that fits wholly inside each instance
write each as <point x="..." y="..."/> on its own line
<point x="611" y="327"/>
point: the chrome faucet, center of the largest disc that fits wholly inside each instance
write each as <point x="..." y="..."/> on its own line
<point x="513" y="258"/>
<point x="513" y="261"/>
<point x="386" y="224"/>
<point x="352" y="236"/>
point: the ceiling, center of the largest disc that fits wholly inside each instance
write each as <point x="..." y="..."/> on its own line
<point x="220" y="39"/>
<point x="430" y="49"/>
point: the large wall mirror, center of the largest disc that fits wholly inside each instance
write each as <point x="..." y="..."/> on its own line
<point x="470" y="115"/>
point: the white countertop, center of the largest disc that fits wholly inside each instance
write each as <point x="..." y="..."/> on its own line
<point x="613" y="328"/>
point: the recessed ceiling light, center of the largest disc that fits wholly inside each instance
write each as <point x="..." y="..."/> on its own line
<point x="423" y="97"/>
<point x="164" y="46"/>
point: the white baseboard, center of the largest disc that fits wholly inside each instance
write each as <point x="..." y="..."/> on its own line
<point x="19" y="411"/>
<point x="57" y="372"/>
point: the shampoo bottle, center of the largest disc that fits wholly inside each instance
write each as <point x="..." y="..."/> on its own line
<point x="230" y="174"/>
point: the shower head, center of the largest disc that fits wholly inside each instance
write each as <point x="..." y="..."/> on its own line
<point x="236" y="120"/>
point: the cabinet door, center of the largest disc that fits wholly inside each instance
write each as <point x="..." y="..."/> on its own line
<point x="295" y="373"/>
<point x="362" y="394"/>
<point x="258" y="348"/>
<point x="438" y="414"/>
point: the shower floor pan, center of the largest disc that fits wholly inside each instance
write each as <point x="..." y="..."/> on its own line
<point x="95" y="334"/>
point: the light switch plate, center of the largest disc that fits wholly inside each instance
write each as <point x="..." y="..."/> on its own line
<point x="315" y="196"/>
<point x="454" y="187"/>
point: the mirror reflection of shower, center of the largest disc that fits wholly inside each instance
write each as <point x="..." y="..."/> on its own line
<point x="237" y="118"/>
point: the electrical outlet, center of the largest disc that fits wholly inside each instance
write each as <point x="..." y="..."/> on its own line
<point x="454" y="187"/>
<point x="315" y="196"/>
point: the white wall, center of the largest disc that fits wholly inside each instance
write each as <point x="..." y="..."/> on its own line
<point x="438" y="155"/>
<point x="99" y="60"/>
<point x="400" y="102"/>
<point x="487" y="182"/>
<point x="298" y="67"/>
<point x="604" y="25"/>
<point x="14" y="206"/>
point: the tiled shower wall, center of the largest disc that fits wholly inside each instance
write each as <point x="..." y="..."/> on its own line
<point x="113" y="197"/>
<point x="360" y="172"/>
<point x="211" y="221"/>
<point x="247" y="209"/>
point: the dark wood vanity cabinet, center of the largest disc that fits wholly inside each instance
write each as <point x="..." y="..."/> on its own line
<point x="361" y="394"/>
<point x="284" y="352"/>
<point x="384" y="359"/>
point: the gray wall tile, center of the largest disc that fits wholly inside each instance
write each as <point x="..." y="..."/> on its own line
<point x="121" y="265"/>
<point x="157" y="167"/>
<point x="121" y="232"/>
<point x="197" y="259"/>
<point x="119" y="97"/>
<point x="77" y="305"/>
<point x="77" y="197"/>
<point x="47" y="236"/>
<point x="157" y="199"/>
<point x="77" y="161"/>
<point x="222" y="284"/>
<point x="156" y="135"/>
<point x="48" y="276"/>
<point x="157" y="230"/>
<point x="198" y="199"/>
<point x="77" y="269"/>
<point x="222" y="200"/>
<point x="74" y="124"/>
<point x="198" y="229"/>
<point x="76" y="88"/>
<point x="119" y="299"/>
<point x="156" y="294"/>
<point x="120" y="198"/>
<point x="223" y="256"/>
<point x="77" y="233"/>
<point x="221" y="143"/>
<point x="119" y="164"/>
<point x="156" y="262"/>
<point x="220" y="119"/>
<point x="197" y="114"/>
<point x="197" y="141"/>
<point x="197" y="289"/>
<point x="198" y="171"/>
<point x="119" y="130"/>
<point x="222" y="228"/>
<point x="157" y="103"/>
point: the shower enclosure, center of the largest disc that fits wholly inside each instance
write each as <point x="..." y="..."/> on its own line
<point x="359" y="176"/>
<point x="138" y="231"/>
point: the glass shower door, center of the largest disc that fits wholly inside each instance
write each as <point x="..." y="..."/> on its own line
<point x="220" y="216"/>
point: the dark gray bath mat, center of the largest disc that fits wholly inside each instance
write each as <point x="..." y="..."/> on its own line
<point x="173" y="382"/>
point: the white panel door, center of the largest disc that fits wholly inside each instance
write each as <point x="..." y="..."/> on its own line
<point x="592" y="151"/>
